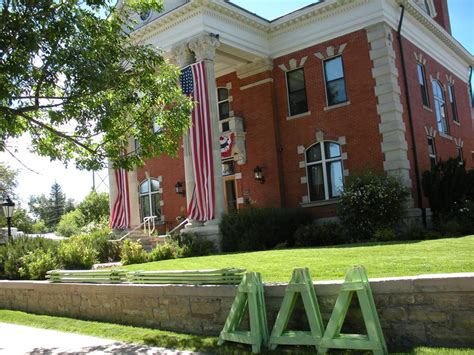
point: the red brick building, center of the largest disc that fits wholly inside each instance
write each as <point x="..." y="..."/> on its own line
<point x="310" y="98"/>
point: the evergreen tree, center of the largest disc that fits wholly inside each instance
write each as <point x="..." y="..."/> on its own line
<point x="57" y="204"/>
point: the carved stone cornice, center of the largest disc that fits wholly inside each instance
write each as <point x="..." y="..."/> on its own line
<point x="204" y="47"/>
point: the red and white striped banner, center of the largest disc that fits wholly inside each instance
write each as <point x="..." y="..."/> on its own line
<point x="194" y="83"/>
<point x="120" y="216"/>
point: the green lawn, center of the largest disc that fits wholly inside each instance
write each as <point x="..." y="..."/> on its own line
<point x="380" y="260"/>
<point x="154" y="337"/>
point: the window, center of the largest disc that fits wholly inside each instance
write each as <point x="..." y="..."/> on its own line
<point x="324" y="171"/>
<point x="296" y="92"/>
<point x="224" y="107"/>
<point x="335" y="84"/>
<point x="427" y="7"/>
<point x="432" y="151"/>
<point x="440" y="107"/>
<point x="150" y="197"/>
<point x="422" y="82"/>
<point x="452" y="101"/>
<point x="460" y="153"/>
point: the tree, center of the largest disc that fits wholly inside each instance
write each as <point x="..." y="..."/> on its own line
<point x="95" y="207"/>
<point x="20" y="220"/>
<point x="50" y="209"/>
<point x="77" y="83"/>
<point x="8" y="180"/>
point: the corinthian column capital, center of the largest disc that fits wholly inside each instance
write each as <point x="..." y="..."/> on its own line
<point x="181" y="54"/>
<point x="204" y="47"/>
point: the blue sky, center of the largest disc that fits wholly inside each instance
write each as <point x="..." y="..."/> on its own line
<point x="461" y="14"/>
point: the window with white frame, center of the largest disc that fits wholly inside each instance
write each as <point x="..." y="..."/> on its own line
<point x="432" y="151"/>
<point x="335" y="82"/>
<point x="297" y="101"/>
<point x="324" y="171"/>
<point x="150" y="196"/>
<point x="460" y="153"/>
<point x="440" y="107"/>
<point x="452" y="101"/>
<point x="422" y="82"/>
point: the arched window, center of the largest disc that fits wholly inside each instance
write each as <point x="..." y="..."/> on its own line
<point x="150" y="197"/>
<point x="440" y="107"/>
<point x="324" y="171"/>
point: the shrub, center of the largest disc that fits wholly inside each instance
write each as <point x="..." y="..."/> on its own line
<point x="261" y="228"/>
<point x="11" y="255"/>
<point x="132" y="253"/>
<point x="39" y="227"/>
<point x="101" y="240"/>
<point x="370" y="202"/>
<point x="312" y="235"/>
<point x="417" y="232"/>
<point x="193" y="245"/>
<point x="36" y="263"/>
<point x="70" y="224"/>
<point x="384" y="235"/>
<point x="165" y="251"/>
<point x="78" y="252"/>
<point x="447" y="184"/>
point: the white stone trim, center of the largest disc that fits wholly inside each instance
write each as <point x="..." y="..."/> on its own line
<point x="302" y="164"/>
<point x="303" y="180"/>
<point x="304" y="199"/>
<point x="319" y="136"/>
<point x="259" y="65"/>
<point x="342" y="104"/>
<point x="446" y="136"/>
<point x="238" y="176"/>
<point x="300" y="149"/>
<point x="459" y="142"/>
<point x="228" y="86"/>
<point x="257" y="83"/>
<point x="342" y="140"/>
<point x="346" y="172"/>
<point x="430" y="131"/>
<point x="450" y="80"/>
<point x="240" y="200"/>
<point x="330" y="52"/>
<point x="293" y="64"/>
<point x="387" y="90"/>
<point x="304" y="114"/>
<point x="162" y="203"/>
<point x="419" y="58"/>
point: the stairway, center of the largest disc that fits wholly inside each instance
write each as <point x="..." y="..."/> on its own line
<point x="148" y="243"/>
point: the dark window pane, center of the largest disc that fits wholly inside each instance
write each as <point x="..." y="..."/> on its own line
<point x="145" y="205"/>
<point x="145" y="187"/>
<point x="225" y="126"/>
<point x="224" y="109"/>
<point x="431" y="149"/>
<point x="313" y="154"/>
<point x="228" y="168"/>
<point x="336" y="91"/>
<point x="231" y="196"/>
<point x="335" y="180"/>
<point x="452" y="100"/>
<point x="333" y="69"/>
<point x="316" y="182"/>
<point x="298" y="103"/>
<point x="223" y="94"/>
<point x="155" y="185"/>
<point x="332" y="150"/>
<point x="155" y="204"/>
<point x="295" y="80"/>
<point x="422" y="82"/>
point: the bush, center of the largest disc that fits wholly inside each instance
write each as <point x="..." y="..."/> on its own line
<point x="132" y="253"/>
<point x="418" y="232"/>
<point x="168" y="250"/>
<point x="313" y="235"/>
<point x="370" y="202"/>
<point x="78" y="253"/>
<point x="70" y="224"/>
<point x="261" y="228"/>
<point x="13" y="253"/>
<point x="192" y="245"/>
<point x="384" y="235"/>
<point x="446" y="185"/>
<point x="39" y="227"/>
<point x="36" y="263"/>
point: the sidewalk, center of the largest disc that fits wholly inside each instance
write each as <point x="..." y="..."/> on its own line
<point x="18" y="339"/>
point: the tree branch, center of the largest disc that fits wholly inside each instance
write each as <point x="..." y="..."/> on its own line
<point x="18" y="160"/>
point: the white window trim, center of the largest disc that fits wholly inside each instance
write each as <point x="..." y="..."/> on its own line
<point x="226" y="100"/>
<point x="323" y="162"/>
<point x="435" y="100"/>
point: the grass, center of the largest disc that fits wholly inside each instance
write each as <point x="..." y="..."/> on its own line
<point x="154" y="337"/>
<point x="381" y="260"/>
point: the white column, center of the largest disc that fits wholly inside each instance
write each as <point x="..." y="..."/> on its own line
<point x="204" y="48"/>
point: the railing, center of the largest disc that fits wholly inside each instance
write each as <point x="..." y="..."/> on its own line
<point x="129" y="232"/>
<point x="149" y="225"/>
<point x="179" y="226"/>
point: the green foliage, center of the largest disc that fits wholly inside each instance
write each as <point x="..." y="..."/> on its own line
<point x="384" y="235"/>
<point x="37" y="262"/>
<point x="132" y="253"/>
<point x="261" y="228"/>
<point x="192" y="245"/>
<point x="446" y="184"/>
<point x="12" y="255"/>
<point x="20" y="220"/>
<point x="311" y="235"/>
<point x="8" y="179"/>
<point x="70" y="75"/>
<point x="165" y="251"/>
<point x="78" y="253"/>
<point x="39" y="227"/>
<point x="94" y="207"/>
<point x="370" y="202"/>
<point x="417" y="232"/>
<point x="70" y="224"/>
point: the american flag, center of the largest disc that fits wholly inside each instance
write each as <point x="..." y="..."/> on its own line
<point x="193" y="83"/>
<point x="120" y="216"/>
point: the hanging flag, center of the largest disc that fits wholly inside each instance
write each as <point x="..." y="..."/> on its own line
<point x="193" y="83"/>
<point x="226" y="143"/>
<point x="120" y="216"/>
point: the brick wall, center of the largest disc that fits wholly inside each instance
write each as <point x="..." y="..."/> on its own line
<point x="430" y="310"/>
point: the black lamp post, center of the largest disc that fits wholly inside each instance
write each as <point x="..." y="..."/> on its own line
<point x="258" y="175"/>
<point x="8" y="208"/>
<point x="179" y="188"/>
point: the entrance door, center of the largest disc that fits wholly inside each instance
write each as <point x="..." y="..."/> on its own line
<point x="230" y="194"/>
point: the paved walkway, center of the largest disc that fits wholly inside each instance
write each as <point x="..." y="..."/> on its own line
<point x="18" y="339"/>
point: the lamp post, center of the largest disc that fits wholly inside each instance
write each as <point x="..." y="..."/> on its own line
<point x="8" y="208"/>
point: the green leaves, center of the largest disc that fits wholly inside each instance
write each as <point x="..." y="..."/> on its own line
<point x="71" y="78"/>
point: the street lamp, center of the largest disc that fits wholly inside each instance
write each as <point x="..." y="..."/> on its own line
<point x="8" y="208"/>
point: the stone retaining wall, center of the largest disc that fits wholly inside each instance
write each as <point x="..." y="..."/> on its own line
<point x="434" y="310"/>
